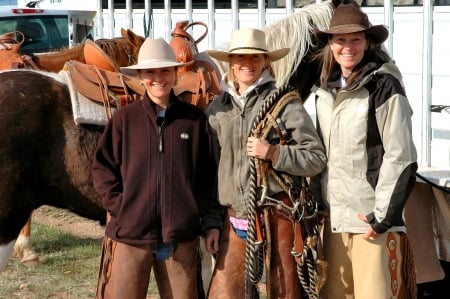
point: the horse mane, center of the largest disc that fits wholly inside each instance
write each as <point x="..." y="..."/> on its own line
<point x="299" y="25"/>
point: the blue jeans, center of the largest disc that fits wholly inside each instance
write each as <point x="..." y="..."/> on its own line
<point x="162" y="251"/>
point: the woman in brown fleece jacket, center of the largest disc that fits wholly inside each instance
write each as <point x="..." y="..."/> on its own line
<point x="152" y="169"/>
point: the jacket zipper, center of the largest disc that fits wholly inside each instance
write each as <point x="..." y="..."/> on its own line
<point x="160" y="167"/>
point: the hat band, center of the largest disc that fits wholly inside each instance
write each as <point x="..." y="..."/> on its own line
<point x="248" y="48"/>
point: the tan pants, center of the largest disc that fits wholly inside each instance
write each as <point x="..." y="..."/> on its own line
<point x="367" y="269"/>
<point x="125" y="271"/>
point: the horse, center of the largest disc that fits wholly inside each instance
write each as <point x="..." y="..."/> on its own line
<point x="123" y="52"/>
<point x="46" y="157"/>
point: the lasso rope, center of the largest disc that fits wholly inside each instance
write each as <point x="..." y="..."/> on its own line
<point x="254" y="251"/>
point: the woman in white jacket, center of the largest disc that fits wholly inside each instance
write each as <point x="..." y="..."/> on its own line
<point x="364" y="120"/>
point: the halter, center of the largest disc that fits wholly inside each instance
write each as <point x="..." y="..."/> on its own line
<point x="301" y="208"/>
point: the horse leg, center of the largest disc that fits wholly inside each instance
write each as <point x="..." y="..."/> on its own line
<point x="22" y="247"/>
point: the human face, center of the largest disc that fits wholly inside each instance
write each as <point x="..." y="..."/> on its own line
<point x="247" y="68"/>
<point x="158" y="83"/>
<point x="348" y="50"/>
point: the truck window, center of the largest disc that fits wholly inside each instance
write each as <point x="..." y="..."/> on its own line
<point x="42" y="33"/>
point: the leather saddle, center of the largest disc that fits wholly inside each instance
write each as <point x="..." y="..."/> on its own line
<point x="9" y="50"/>
<point x="110" y="88"/>
<point x="99" y="79"/>
<point x="197" y="81"/>
<point x="199" y="86"/>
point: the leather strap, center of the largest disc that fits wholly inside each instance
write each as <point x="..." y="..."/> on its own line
<point x="392" y="246"/>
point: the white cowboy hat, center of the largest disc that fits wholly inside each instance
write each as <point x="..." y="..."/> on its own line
<point x="153" y="54"/>
<point x="248" y="41"/>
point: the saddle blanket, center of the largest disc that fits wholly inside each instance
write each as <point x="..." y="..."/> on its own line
<point x="85" y="111"/>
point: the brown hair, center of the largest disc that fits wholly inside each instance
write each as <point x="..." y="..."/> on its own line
<point x="373" y="53"/>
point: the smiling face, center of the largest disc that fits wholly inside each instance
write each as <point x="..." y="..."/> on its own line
<point x="158" y="83"/>
<point x="247" y="68"/>
<point x="348" y="50"/>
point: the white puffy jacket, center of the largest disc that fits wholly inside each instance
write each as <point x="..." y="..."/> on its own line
<point x="366" y="130"/>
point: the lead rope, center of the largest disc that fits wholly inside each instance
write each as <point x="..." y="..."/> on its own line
<point x="254" y="250"/>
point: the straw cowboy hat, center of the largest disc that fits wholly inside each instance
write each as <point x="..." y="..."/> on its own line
<point x="154" y="53"/>
<point x="348" y="18"/>
<point x="248" y="41"/>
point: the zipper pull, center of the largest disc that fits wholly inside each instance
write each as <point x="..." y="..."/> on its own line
<point x="161" y="140"/>
<point x="160" y="122"/>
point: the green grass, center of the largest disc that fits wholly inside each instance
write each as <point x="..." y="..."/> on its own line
<point x="68" y="268"/>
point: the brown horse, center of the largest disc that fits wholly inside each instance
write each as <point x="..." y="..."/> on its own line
<point x="122" y="50"/>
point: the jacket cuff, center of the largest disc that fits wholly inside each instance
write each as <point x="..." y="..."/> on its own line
<point x="378" y="227"/>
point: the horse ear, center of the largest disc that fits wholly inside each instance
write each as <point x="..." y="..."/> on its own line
<point x="133" y="39"/>
<point x="123" y="32"/>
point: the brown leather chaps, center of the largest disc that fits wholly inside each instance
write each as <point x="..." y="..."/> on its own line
<point x="125" y="271"/>
<point x="228" y="280"/>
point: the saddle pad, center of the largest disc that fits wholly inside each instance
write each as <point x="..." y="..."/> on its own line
<point x="84" y="110"/>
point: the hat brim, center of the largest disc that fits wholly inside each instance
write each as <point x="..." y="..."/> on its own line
<point x="225" y="55"/>
<point x="378" y="33"/>
<point x="148" y="64"/>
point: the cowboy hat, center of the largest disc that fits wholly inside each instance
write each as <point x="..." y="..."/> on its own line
<point x="248" y="41"/>
<point x="349" y="18"/>
<point x="154" y="53"/>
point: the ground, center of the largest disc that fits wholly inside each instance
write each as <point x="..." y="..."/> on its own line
<point x="69" y="222"/>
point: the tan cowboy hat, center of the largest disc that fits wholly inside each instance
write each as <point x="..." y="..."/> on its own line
<point x="153" y="54"/>
<point x="349" y="18"/>
<point x="248" y="41"/>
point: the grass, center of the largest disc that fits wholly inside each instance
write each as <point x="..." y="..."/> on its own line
<point x="68" y="268"/>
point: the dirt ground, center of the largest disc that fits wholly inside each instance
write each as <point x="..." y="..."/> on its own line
<point x="68" y="222"/>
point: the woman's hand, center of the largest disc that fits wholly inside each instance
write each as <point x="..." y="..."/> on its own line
<point x="370" y="232"/>
<point x="257" y="148"/>
<point x="212" y="240"/>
